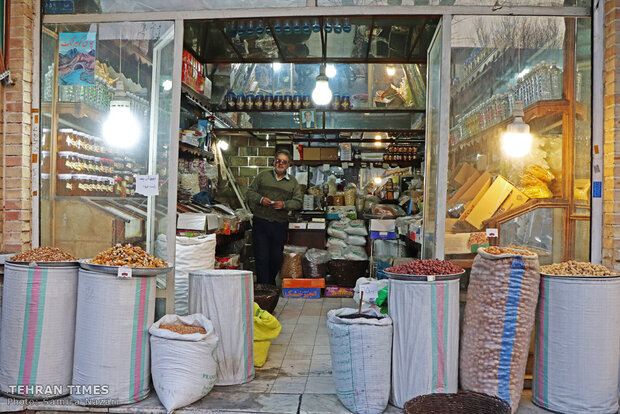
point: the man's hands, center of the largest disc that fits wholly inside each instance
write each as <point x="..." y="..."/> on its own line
<point x="278" y="205"/>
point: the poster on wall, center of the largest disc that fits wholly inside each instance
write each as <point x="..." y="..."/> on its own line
<point x="76" y="60"/>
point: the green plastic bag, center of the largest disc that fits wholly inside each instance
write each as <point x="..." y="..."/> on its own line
<point x="382" y="299"/>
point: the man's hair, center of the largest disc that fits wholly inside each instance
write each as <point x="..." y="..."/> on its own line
<point x="284" y="152"/>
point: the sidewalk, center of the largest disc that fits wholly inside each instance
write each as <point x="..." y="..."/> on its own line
<point x="295" y="379"/>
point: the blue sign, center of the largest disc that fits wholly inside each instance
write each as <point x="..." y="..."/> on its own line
<point x="58" y="7"/>
<point x="597" y="189"/>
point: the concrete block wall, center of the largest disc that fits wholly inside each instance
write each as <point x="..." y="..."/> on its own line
<point x="15" y="130"/>
<point x="246" y="157"/>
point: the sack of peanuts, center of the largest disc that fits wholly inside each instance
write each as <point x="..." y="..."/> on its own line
<point x="291" y="264"/>
<point x="183" y="363"/>
<point x="499" y="318"/>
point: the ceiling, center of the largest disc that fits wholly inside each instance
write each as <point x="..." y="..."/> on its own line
<point x="312" y="39"/>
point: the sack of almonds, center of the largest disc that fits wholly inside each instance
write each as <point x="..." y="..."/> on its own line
<point x="499" y="318"/>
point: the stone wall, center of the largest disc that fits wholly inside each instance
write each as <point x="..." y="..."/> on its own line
<point x="15" y="129"/>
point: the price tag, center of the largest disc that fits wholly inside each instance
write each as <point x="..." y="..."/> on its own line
<point x="430" y="278"/>
<point x="124" y="272"/>
<point x="371" y="291"/>
<point x="491" y="232"/>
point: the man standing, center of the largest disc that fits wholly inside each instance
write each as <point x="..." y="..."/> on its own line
<point x="271" y="196"/>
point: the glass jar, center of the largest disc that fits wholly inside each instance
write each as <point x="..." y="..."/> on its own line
<point x="268" y="102"/>
<point x="64" y="184"/>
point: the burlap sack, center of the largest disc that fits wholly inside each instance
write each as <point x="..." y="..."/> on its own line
<point x="499" y="318"/>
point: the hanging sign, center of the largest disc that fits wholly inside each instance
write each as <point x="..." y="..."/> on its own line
<point x="147" y="185"/>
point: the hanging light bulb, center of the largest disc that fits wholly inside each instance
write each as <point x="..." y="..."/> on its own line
<point x="222" y="145"/>
<point x="121" y="129"/>
<point x="322" y="95"/>
<point x="377" y="180"/>
<point x="517" y="140"/>
<point x="390" y="70"/>
<point x="330" y="71"/>
<point x="276" y="66"/>
<point x="378" y="138"/>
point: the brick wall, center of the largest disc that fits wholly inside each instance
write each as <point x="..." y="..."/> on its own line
<point x="246" y="157"/>
<point x="15" y="129"/>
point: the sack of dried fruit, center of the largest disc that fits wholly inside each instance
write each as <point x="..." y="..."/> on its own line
<point x="498" y="322"/>
<point x="183" y="363"/>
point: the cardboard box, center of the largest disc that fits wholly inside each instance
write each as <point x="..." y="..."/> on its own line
<point x="338" y="292"/>
<point x="483" y="180"/>
<point x="303" y="283"/>
<point x="297" y="226"/>
<point x="311" y="154"/>
<point x="329" y="154"/>
<point x="463" y="174"/>
<point x="316" y="226"/>
<point x="468" y="183"/>
<point x="198" y="221"/>
<point x="514" y="200"/>
<point x="306" y="293"/>
<point x="456" y="243"/>
<point x="490" y="202"/>
<point x="383" y="229"/>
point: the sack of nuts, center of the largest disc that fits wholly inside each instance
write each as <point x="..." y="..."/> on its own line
<point x="499" y="318"/>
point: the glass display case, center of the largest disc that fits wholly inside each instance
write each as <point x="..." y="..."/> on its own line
<point x="507" y="186"/>
<point x="105" y="127"/>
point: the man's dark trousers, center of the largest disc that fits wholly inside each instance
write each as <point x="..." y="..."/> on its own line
<point x="269" y="238"/>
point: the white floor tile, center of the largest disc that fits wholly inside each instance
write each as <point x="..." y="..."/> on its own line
<point x="320" y="385"/>
<point x="287" y="385"/>
<point x="299" y="352"/>
<point x="294" y="368"/>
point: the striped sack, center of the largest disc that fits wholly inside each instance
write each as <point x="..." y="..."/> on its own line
<point x="498" y="323"/>
<point x="112" y="338"/>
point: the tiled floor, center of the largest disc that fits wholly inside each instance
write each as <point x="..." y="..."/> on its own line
<point x="295" y="379"/>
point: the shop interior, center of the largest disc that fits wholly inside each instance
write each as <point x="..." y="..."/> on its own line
<point x="369" y="152"/>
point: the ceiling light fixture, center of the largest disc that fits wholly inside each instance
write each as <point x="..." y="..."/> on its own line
<point x="322" y="95"/>
<point x="517" y="140"/>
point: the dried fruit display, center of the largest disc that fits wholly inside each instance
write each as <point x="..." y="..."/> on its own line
<point x="43" y="254"/>
<point x="127" y="255"/>
<point x="184" y="329"/>
<point x="496" y="250"/>
<point x="426" y="267"/>
<point x="574" y="268"/>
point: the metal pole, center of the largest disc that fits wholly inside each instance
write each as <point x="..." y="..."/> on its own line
<point x="596" y="224"/>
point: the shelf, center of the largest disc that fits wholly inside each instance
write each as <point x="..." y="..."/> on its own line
<point x="538" y="110"/>
<point x="356" y="163"/>
<point x="197" y="98"/>
<point x="339" y="111"/>
<point x="317" y="131"/>
<point x="196" y="151"/>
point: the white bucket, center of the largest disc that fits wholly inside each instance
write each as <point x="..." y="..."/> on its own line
<point x="38" y="327"/>
<point x="112" y="352"/>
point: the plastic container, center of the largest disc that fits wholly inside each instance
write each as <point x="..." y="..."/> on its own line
<point x="425" y="311"/>
<point x="576" y="350"/>
<point x="38" y="328"/>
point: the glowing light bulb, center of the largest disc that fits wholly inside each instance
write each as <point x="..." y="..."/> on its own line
<point x="222" y="145"/>
<point x="390" y="70"/>
<point x="121" y="129"/>
<point x="516" y="142"/>
<point x="322" y="95"/>
<point x="377" y="180"/>
<point x="167" y="85"/>
<point x="276" y="66"/>
<point x="330" y="71"/>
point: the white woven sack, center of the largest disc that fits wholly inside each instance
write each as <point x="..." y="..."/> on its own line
<point x="367" y="281"/>
<point x="112" y="338"/>
<point x="38" y="328"/>
<point x="183" y="366"/>
<point x="361" y="355"/>
<point x="193" y="254"/>
<point x="226" y="298"/>
<point x="426" y="338"/>
<point x="577" y="337"/>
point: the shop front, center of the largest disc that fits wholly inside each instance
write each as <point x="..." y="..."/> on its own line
<point x="427" y="91"/>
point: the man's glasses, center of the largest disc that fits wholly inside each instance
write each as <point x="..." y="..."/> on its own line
<point x="281" y="161"/>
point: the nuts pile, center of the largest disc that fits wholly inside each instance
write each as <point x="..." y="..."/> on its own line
<point x="184" y="329"/>
<point x="426" y="267"/>
<point x="574" y="268"/>
<point x="529" y="249"/>
<point x="43" y="254"/>
<point x="127" y="255"/>
<point x="496" y="250"/>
